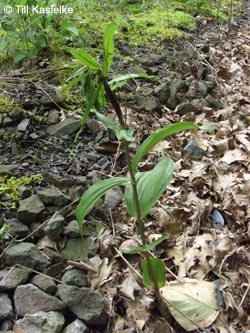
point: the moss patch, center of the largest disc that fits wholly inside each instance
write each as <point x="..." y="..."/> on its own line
<point x="9" y="186"/>
<point x="138" y="28"/>
<point x="7" y="104"/>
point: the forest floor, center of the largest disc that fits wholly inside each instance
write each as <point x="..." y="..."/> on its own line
<point x="205" y="79"/>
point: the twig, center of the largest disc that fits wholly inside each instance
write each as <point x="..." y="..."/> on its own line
<point x="37" y="272"/>
<point x="36" y="85"/>
<point x="47" y="70"/>
<point x="112" y="222"/>
<point x="130" y="266"/>
<point x="81" y="265"/>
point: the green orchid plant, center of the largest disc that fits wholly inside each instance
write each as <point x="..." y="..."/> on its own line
<point x="142" y="189"/>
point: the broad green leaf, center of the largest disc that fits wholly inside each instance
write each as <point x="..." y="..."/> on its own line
<point x="157" y="136"/>
<point x="148" y="247"/>
<point x="77" y="77"/>
<point x="121" y="133"/>
<point x="108" y="47"/>
<point x="150" y="187"/>
<point x="106" y="121"/>
<point x="93" y="194"/>
<point x="85" y="59"/>
<point x="208" y="127"/>
<point x="19" y="55"/>
<point x="159" y="269"/>
<point x="89" y="107"/>
<point x="119" y="81"/>
<point x="66" y="25"/>
<point x="192" y="303"/>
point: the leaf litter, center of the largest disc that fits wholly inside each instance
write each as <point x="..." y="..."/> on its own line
<point x="206" y="209"/>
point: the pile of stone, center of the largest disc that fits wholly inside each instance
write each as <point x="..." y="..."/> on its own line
<point x="39" y="291"/>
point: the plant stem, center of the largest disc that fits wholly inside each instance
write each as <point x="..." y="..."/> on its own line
<point x="139" y="220"/>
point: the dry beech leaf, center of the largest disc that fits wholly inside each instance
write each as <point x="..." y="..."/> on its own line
<point x="232" y="156"/>
<point x="192" y="303"/>
<point x="129" y="286"/>
<point x="193" y="260"/>
<point x="138" y="311"/>
<point x="103" y="274"/>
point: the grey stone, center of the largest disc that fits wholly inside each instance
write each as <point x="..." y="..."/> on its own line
<point x="147" y="91"/>
<point x="186" y="107"/>
<point x="77" y="326"/>
<point x="72" y="229"/>
<point x="53" y="196"/>
<point x="29" y="299"/>
<point x="53" y="117"/>
<point x="151" y="60"/>
<point x="177" y="86"/>
<point x="16" y="114"/>
<point x="22" y="126"/>
<point x="147" y="103"/>
<point x="30" y="210"/>
<point x="167" y="92"/>
<point x="192" y="149"/>
<point x="202" y="88"/>
<point x="44" y="283"/>
<point x="54" y="227"/>
<point x="58" y="181"/>
<point x="136" y="69"/>
<point x="24" y="192"/>
<point x="36" y="229"/>
<point x="14" y="277"/>
<point x="7" y="121"/>
<point x="53" y="255"/>
<point x="25" y="254"/>
<point x="200" y="103"/>
<point x="42" y="322"/>
<point x="92" y="125"/>
<point x="75" y="277"/>
<point x="163" y="92"/>
<point x="51" y="99"/>
<point x="17" y="228"/>
<point x="94" y="176"/>
<point x="80" y="248"/>
<point x="214" y="103"/>
<point x="65" y="127"/>
<point x="6" y="310"/>
<point x="58" y="263"/>
<point x="153" y="70"/>
<point x="92" y="227"/>
<point x="9" y="170"/>
<point x="87" y="305"/>
<point x="113" y="197"/>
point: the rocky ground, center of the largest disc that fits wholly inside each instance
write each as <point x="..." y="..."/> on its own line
<point x="51" y="280"/>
